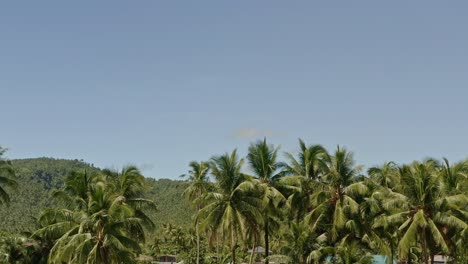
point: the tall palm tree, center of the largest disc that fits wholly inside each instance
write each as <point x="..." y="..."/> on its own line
<point x="299" y="192"/>
<point x="383" y="184"/>
<point x="229" y="207"/>
<point x="423" y="212"/>
<point x="130" y="184"/>
<point x="454" y="177"/>
<point x="6" y="173"/>
<point x="334" y="202"/>
<point x="263" y="163"/>
<point x="385" y="175"/>
<point x="98" y="225"/>
<point x="74" y="194"/>
<point x="367" y="224"/>
<point x="302" y="173"/>
<point x="310" y="162"/>
<point x="454" y="181"/>
<point x="199" y="186"/>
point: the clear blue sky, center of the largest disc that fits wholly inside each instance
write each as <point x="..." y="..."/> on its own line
<point x="161" y="83"/>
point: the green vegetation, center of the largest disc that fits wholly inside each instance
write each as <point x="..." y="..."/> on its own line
<point x="314" y="206"/>
<point x="101" y="219"/>
<point x="172" y="208"/>
<point x="36" y="179"/>
<point x="6" y="173"/>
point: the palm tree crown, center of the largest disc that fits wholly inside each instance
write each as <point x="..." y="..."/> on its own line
<point x="231" y="205"/>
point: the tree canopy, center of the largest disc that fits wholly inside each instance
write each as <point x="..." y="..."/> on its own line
<point x="312" y="206"/>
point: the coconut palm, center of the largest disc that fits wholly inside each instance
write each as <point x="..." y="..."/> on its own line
<point x="98" y="224"/>
<point x="346" y="253"/>
<point x="302" y="175"/>
<point x="423" y="212"/>
<point x="177" y="238"/>
<point x="74" y="195"/>
<point x="311" y="161"/>
<point x="229" y="207"/>
<point x="385" y="175"/>
<point x="367" y="225"/>
<point x="198" y="177"/>
<point x="199" y="185"/>
<point x="263" y="163"/>
<point x="130" y="185"/>
<point x="334" y="202"/>
<point x="297" y="241"/>
<point x="6" y="173"/>
<point x="454" y="178"/>
<point x="252" y="238"/>
<point x="383" y="183"/>
<point x="299" y="191"/>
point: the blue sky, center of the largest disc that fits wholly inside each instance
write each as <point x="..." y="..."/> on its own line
<point x="161" y="83"/>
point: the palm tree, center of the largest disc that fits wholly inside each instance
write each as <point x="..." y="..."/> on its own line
<point x="303" y="174"/>
<point x="199" y="185"/>
<point x="454" y="178"/>
<point x="98" y="225"/>
<point x="386" y="175"/>
<point x="263" y="163"/>
<point x="311" y="161"/>
<point x="423" y="212"/>
<point x="346" y="253"/>
<point x="367" y="224"/>
<point x="334" y="202"/>
<point x="299" y="192"/>
<point x="229" y="207"/>
<point x="382" y="184"/>
<point x="130" y="185"/>
<point x="74" y="194"/>
<point x="6" y="172"/>
<point x="176" y="238"/>
<point x="454" y="181"/>
<point x="297" y="241"/>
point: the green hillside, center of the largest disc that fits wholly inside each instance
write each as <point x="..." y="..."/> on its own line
<point x="172" y="207"/>
<point x="37" y="178"/>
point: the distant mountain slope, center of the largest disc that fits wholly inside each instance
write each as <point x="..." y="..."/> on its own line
<point x="38" y="177"/>
<point x="172" y="207"/>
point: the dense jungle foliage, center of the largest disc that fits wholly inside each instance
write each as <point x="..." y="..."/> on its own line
<point x="313" y="206"/>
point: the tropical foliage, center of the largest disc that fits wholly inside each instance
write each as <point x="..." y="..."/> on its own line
<point x="313" y="206"/>
<point x="6" y="174"/>
<point x="318" y="207"/>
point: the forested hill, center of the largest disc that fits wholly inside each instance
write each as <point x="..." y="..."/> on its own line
<point x="37" y="178"/>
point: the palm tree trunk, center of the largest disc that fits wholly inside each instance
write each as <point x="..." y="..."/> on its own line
<point x="392" y="250"/>
<point x="425" y="258"/>
<point x="198" y="241"/>
<point x="391" y="253"/>
<point x="198" y="234"/>
<point x="267" y="246"/>
<point x="233" y="254"/>
<point x="233" y="244"/>
<point x="104" y="258"/>
<point x="253" y="252"/>
<point x="217" y="249"/>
